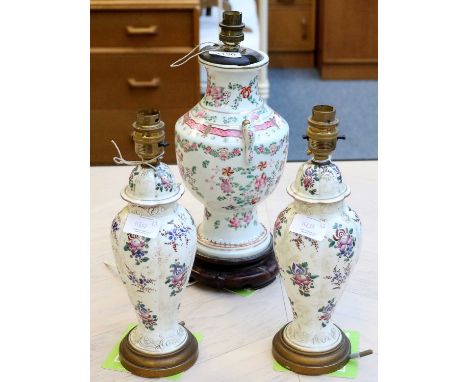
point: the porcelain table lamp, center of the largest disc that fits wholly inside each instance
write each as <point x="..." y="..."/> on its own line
<point x="154" y="243"/>
<point x="231" y="148"/>
<point x="317" y="239"/>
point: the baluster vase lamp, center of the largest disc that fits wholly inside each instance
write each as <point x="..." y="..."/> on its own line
<point x="317" y="239"/>
<point x="154" y="243"/>
<point x="231" y="149"/>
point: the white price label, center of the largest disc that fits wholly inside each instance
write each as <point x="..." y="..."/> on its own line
<point x="142" y="225"/>
<point x="225" y="54"/>
<point x="309" y="226"/>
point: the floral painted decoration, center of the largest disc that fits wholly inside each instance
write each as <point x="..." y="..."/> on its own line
<point x="137" y="245"/>
<point x="164" y="183"/>
<point x="280" y="220"/>
<point x="301" y="277"/>
<point x="292" y="308"/>
<point x="344" y="241"/>
<point x="115" y="225"/>
<point x="178" y="277"/>
<point x="299" y="241"/>
<point x="244" y="92"/>
<point x="326" y="312"/>
<point x="141" y="283"/>
<point x="131" y="183"/>
<point x="240" y="220"/>
<point x="309" y="179"/>
<point x="177" y="235"/>
<point x="148" y="319"/>
<point x="338" y="278"/>
<point x="215" y="96"/>
<point x="271" y="149"/>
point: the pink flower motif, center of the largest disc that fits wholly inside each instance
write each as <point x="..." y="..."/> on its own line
<point x="261" y="149"/>
<point x="261" y="182"/>
<point x="201" y="113"/>
<point x="308" y="182"/>
<point x="300" y="276"/>
<point x="216" y="92"/>
<point x="135" y="244"/>
<point x="344" y="241"/>
<point x="236" y="152"/>
<point x="226" y="185"/>
<point x="273" y="148"/>
<point x="277" y="224"/>
<point x="223" y="153"/>
<point x="187" y="147"/>
<point x="234" y="222"/>
<point x="208" y="149"/>
<point x="248" y="217"/>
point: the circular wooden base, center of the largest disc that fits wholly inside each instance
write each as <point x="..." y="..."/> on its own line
<point x="254" y="274"/>
<point x="158" y="365"/>
<point x="311" y="363"/>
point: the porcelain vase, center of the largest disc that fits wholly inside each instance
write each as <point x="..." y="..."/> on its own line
<point x="231" y="149"/>
<point x="154" y="242"/>
<point x="317" y="240"/>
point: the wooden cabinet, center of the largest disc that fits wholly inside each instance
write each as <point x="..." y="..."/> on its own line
<point x="347" y="39"/>
<point x="291" y="33"/>
<point x="132" y="45"/>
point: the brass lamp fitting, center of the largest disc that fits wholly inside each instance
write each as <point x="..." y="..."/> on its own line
<point x="322" y="131"/>
<point x="231" y="30"/>
<point x="148" y="134"/>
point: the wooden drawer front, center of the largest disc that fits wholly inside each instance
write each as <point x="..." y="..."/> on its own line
<point x="117" y="125"/>
<point x="290" y="2"/>
<point x="136" y="80"/>
<point x="142" y="29"/>
<point x="294" y="29"/>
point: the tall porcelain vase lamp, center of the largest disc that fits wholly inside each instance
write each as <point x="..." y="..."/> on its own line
<point x="231" y="148"/>
<point x="154" y="243"/>
<point x="317" y="239"/>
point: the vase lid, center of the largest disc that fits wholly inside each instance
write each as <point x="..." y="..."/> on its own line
<point x="231" y="54"/>
<point x="319" y="179"/>
<point x="151" y="181"/>
<point x="148" y="186"/>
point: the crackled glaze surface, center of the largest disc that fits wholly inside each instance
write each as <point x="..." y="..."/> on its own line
<point x="231" y="165"/>
<point x="155" y="270"/>
<point x="315" y="272"/>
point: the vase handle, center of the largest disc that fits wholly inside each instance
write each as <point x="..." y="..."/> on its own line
<point x="249" y="140"/>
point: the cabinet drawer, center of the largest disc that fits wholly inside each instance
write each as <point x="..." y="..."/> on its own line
<point x="290" y="2"/>
<point x="136" y="80"/>
<point x="293" y="30"/>
<point x="142" y="28"/>
<point x="117" y="125"/>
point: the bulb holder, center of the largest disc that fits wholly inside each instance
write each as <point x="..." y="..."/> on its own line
<point x="148" y="134"/>
<point x="322" y="132"/>
<point x="231" y="30"/>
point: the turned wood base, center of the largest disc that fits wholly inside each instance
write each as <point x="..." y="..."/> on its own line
<point x="254" y="274"/>
<point x="311" y="363"/>
<point x="158" y="365"/>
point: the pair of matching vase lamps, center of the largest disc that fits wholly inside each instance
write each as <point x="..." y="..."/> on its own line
<point x="231" y="149"/>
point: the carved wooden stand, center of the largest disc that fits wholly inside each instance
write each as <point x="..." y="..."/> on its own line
<point x="254" y="274"/>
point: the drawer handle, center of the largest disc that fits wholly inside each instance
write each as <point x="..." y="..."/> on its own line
<point x="139" y="31"/>
<point x="153" y="83"/>
<point x="304" y="28"/>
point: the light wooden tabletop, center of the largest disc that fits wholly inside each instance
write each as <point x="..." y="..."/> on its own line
<point x="237" y="331"/>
